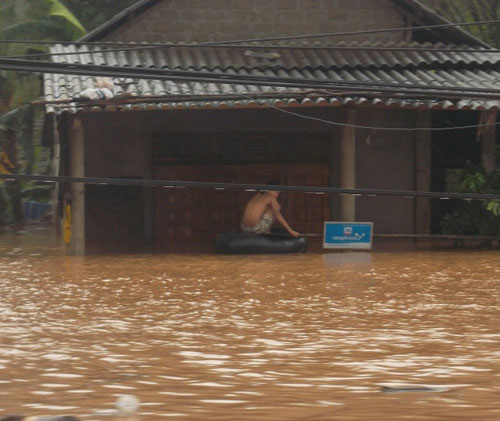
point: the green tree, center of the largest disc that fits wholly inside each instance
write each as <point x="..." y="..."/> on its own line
<point x="94" y="13"/>
<point x="472" y="11"/>
<point x="43" y="20"/>
<point x="474" y="217"/>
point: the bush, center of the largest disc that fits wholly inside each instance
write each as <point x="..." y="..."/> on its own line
<point x="474" y="217"/>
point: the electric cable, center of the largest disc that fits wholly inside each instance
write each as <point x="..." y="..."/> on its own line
<point x="281" y="38"/>
<point x="374" y="128"/>
<point x="248" y="187"/>
<point x="364" y="32"/>
<point x="256" y="98"/>
<point x="225" y="78"/>
<point x="139" y="47"/>
<point x="266" y="82"/>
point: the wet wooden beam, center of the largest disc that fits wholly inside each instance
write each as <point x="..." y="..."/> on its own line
<point x="348" y="167"/>
<point x="487" y="135"/>
<point x="422" y="175"/>
<point x="77" y="169"/>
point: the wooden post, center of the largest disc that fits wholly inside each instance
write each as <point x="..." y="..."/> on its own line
<point x="55" y="166"/>
<point x="487" y="135"/>
<point x="422" y="175"/>
<point x="77" y="169"/>
<point x="348" y="167"/>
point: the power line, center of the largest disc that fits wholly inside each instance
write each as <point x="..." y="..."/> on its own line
<point x="163" y="74"/>
<point x="228" y="78"/>
<point x="365" y="32"/>
<point x="281" y="38"/>
<point x="143" y="47"/>
<point x="248" y="187"/>
<point x="390" y="129"/>
<point x="256" y="98"/>
<point x="290" y="82"/>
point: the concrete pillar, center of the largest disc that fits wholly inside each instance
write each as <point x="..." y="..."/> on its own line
<point x="77" y="169"/>
<point x="55" y="166"/>
<point x="348" y="167"/>
<point x="335" y="146"/>
<point x="488" y="136"/>
<point x="422" y="175"/>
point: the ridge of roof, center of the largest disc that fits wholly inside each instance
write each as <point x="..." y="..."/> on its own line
<point x="457" y="35"/>
<point x="116" y="21"/>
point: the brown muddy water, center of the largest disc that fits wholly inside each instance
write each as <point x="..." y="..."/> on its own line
<point x="318" y="336"/>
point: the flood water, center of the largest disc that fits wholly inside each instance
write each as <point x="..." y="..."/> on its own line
<point x="314" y="336"/>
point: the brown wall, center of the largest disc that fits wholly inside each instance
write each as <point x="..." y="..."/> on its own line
<point x="218" y="20"/>
<point x="118" y="145"/>
<point x="385" y="160"/>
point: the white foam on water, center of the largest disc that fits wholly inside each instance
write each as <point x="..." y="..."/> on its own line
<point x="51" y="407"/>
<point x="62" y="375"/>
<point x="56" y="357"/>
<point x="211" y="384"/>
<point x="203" y="355"/>
<point x="223" y="401"/>
<point x="295" y="384"/>
<point x="177" y="394"/>
<point x="55" y="385"/>
<point x="80" y="391"/>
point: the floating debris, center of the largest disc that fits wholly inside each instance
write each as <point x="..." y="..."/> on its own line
<point x="125" y="406"/>
<point x="413" y="388"/>
<point x="39" y="418"/>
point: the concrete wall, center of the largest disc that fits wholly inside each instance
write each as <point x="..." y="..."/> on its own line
<point x="388" y="160"/>
<point x="118" y="145"/>
<point x="218" y="20"/>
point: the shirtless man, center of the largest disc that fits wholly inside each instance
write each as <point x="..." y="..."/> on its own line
<point x="261" y="212"/>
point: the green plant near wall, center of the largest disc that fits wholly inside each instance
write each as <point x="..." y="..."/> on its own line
<point x="43" y="20"/>
<point x="471" y="11"/>
<point x="474" y="217"/>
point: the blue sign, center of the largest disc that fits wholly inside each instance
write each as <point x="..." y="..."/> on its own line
<point x="348" y="235"/>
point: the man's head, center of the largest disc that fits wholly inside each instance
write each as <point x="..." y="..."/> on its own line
<point x="273" y="183"/>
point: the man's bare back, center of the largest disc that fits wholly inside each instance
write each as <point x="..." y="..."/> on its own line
<point x="262" y="210"/>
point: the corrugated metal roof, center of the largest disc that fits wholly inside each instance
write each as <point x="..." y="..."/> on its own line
<point x="430" y="67"/>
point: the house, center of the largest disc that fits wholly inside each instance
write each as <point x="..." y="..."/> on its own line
<point x="239" y="133"/>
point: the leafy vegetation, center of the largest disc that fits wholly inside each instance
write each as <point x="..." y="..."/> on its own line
<point x="94" y="13"/>
<point x="474" y="217"/>
<point x="43" y="20"/>
<point x="471" y="11"/>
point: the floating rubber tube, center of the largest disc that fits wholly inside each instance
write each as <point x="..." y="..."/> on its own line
<point x="246" y="243"/>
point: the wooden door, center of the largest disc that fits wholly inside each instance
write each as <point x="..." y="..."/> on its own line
<point x="189" y="219"/>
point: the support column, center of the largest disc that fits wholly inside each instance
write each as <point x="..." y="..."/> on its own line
<point x="487" y="136"/>
<point x="55" y="166"/>
<point x="348" y="167"/>
<point x="77" y="169"/>
<point x="422" y="175"/>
